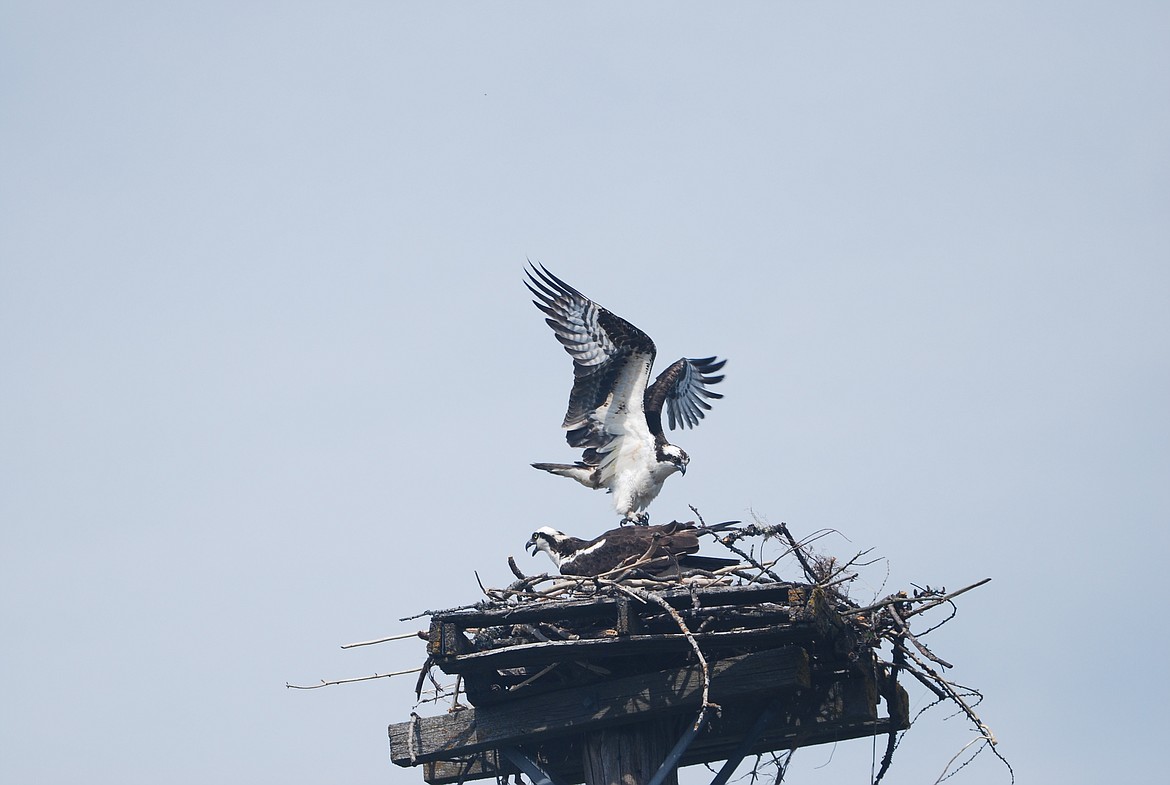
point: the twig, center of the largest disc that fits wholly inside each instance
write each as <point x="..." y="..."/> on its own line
<point x="887" y="756"/>
<point x="348" y="681"/>
<point x="424" y="673"/>
<point x="954" y="612"/>
<point x="799" y="553"/>
<point x="946" y="598"/>
<point x="925" y="680"/>
<point x="963" y="749"/>
<point x="403" y="636"/>
<point x="419" y="615"/>
<point x="534" y="677"/>
<point x="455" y="704"/>
<point x="930" y="601"/>
<point x="904" y="630"/>
<point x="953" y="696"/>
<point x="728" y="541"/>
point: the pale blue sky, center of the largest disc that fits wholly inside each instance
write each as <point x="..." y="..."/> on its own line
<point x="271" y="380"/>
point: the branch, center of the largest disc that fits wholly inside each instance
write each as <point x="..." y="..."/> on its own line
<point x="403" y="636"/>
<point x="904" y="630"/>
<point x="931" y="602"/>
<point x="349" y="681"/>
<point x="953" y="695"/>
<point x="954" y="758"/>
<point x="946" y="598"/>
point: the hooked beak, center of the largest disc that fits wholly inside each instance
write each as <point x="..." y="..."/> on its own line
<point x="531" y="545"/>
<point x="682" y="468"/>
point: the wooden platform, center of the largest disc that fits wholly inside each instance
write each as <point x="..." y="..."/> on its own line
<point x="542" y="674"/>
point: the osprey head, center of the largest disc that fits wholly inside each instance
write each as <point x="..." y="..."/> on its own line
<point x="676" y="456"/>
<point x="549" y="540"/>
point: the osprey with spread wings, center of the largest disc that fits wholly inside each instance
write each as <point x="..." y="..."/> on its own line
<point x="614" y="417"/>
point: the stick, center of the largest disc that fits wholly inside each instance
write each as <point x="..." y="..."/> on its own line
<point x="954" y="696"/>
<point x="947" y="597"/>
<point x="349" y="681"/>
<point x="946" y="768"/>
<point x="808" y="571"/>
<point x="929" y="602"/>
<point x="403" y="636"/>
<point x="904" y="630"/>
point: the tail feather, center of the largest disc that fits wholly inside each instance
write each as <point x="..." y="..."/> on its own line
<point x="718" y="527"/>
<point x="683" y="563"/>
<point x="589" y="476"/>
<point x="694" y="562"/>
<point x="563" y="469"/>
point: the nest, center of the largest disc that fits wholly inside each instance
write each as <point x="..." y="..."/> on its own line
<point x="544" y="633"/>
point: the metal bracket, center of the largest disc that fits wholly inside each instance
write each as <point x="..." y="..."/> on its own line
<point x="520" y="760"/>
<point x="745" y="744"/>
<point x="676" y="753"/>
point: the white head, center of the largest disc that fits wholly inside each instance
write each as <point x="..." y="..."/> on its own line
<point x="550" y="541"/>
<point x="674" y="455"/>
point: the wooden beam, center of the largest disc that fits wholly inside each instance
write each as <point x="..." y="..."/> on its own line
<point x="630" y="754"/>
<point x="632" y="699"/>
<point x="565" y="610"/>
<point x="829" y="711"/>
<point x="544" y="653"/>
<point x="485" y="765"/>
<point x="481" y="765"/>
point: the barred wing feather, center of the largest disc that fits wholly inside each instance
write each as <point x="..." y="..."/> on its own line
<point x="683" y="388"/>
<point x="609" y="354"/>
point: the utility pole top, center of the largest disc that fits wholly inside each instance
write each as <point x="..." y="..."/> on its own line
<point x="603" y="688"/>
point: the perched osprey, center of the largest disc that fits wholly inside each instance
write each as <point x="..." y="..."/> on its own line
<point x="670" y="546"/>
<point x="613" y="416"/>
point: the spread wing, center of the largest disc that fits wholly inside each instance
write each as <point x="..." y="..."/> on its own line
<point x="611" y="363"/>
<point x="682" y="387"/>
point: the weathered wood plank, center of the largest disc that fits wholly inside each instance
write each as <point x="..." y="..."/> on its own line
<point x="544" y="653"/>
<point x="716" y="747"/>
<point x="831" y="710"/>
<point x="476" y="767"/>
<point x="446" y="640"/>
<point x="573" y="711"/>
<point x="630" y="754"/>
<point x="564" y="610"/>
